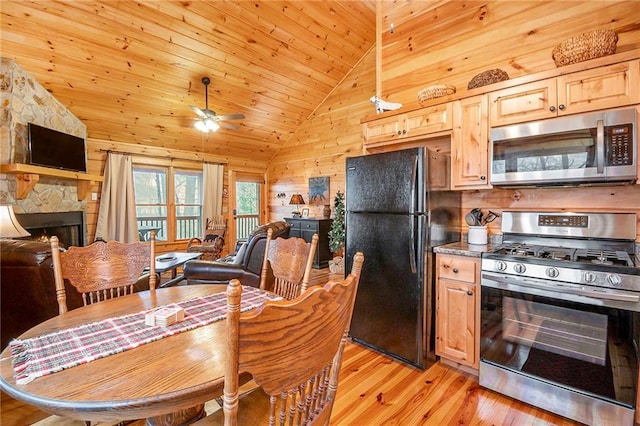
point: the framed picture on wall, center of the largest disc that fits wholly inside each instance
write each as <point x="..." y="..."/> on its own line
<point x="319" y="191"/>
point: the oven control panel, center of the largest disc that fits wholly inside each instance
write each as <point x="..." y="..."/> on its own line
<point x="577" y="221"/>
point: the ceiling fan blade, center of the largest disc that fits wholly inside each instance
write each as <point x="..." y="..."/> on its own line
<point x="198" y="111"/>
<point x="238" y="116"/>
<point x="228" y="125"/>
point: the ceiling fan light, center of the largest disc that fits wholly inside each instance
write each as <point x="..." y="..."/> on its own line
<point x="202" y="126"/>
<point x="212" y="125"/>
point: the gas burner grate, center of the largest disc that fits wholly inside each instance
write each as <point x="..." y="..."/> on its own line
<point x="556" y="253"/>
<point x="516" y="249"/>
<point x="605" y="257"/>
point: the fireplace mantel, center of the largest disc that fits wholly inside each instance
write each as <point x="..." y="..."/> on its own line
<point x="28" y="175"/>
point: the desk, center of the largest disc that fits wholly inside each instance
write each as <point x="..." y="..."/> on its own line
<point x="171" y="374"/>
<point x="171" y="262"/>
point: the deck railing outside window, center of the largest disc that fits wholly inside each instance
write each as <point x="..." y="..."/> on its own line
<point x="186" y="227"/>
<point x="191" y="226"/>
<point x="245" y="224"/>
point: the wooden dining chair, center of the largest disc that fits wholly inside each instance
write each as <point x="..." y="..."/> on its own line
<point x="102" y="270"/>
<point x="290" y="261"/>
<point x="293" y="349"/>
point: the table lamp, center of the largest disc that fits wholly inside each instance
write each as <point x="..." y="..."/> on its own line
<point x="297" y="200"/>
<point x="9" y="225"/>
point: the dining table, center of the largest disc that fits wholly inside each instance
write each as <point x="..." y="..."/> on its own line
<point x="166" y="381"/>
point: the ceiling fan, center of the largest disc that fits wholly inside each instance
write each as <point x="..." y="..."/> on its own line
<point x="208" y="119"/>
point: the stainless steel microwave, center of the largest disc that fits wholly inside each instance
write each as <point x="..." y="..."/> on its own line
<point x="591" y="148"/>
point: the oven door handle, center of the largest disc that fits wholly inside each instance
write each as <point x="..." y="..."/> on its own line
<point x="600" y="147"/>
<point x="577" y="290"/>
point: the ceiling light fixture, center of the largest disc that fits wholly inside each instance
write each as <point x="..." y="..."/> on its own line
<point x="207" y="125"/>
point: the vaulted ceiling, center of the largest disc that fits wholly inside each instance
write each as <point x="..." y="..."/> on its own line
<point x="130" y="70"/>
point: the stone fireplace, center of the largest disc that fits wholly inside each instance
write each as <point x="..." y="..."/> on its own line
<point x="24" y="100"/>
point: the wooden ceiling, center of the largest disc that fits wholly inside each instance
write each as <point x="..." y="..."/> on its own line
<point x="129" y="70"/>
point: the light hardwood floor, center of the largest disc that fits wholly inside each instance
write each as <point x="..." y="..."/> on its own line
<point x="377" y="390"/>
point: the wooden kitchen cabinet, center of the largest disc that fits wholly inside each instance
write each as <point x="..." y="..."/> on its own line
<point x="458" y="309"/>
<point x="611" y="86"/>
<point x="305" y="228"/>
<point x="470" y="144"/>
<point x="409" y="125"/>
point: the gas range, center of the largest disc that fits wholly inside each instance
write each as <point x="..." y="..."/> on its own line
<point x="560" y="301"/>
<point x="568" y="250"/>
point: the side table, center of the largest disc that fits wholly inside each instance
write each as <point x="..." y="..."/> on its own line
<point x="305" y="228"/>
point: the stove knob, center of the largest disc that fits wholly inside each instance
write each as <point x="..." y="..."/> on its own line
<point x="614" y="279"/>
<point x="500" y="265"/>
<point x="589" y="277"/>
<point x="519" y="268"/>
<point x="552" y="272"/>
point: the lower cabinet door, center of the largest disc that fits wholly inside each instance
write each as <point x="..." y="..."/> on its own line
<point x="456" y="322"/>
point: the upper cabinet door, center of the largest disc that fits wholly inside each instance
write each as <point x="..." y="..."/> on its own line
<point x="470" y="144"/>
<point x="600" y="88"/>
<point x="383" y="129"/>
<point x="528" y="102"/>
<point x="429" y="120"/>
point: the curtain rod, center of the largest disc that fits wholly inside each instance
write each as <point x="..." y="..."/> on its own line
<point x="160" y="156"/>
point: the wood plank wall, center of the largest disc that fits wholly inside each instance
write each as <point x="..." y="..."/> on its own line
<point x="450" y="44"/>
<point x="321" y="145"/>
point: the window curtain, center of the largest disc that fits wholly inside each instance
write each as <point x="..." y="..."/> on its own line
<point x="213" y="176"/>
<point x="117" y="213"/>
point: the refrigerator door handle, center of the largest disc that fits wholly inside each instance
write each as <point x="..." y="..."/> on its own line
<point x="414" y="186"/>
<point x="412" y="249"/>
<point x="412" y="210"/>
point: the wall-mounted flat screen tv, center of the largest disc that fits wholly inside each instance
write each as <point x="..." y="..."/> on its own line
<point x="51" y="148"/>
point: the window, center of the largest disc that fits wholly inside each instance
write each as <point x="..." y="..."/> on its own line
<point x="188" y="191"/>
<point x="154" y="187"/>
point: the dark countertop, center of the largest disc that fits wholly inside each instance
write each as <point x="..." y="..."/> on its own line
<point x="463" y="248"/>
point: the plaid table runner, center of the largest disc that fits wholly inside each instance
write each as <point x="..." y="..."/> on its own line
<point x="57" y="351"/>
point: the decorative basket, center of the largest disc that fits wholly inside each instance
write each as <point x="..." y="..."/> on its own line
<point x="488" y="77"/>
<point x="435" y="91"/>
<point x="589" y="45"/>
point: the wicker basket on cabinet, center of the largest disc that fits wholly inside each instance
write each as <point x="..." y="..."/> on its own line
<point x="435" y="91"/>
<point x="487" y="77"/>
<point x="589" y="45"/>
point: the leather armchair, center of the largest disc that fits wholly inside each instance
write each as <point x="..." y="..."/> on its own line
<point x="245" y="265"/>
<point x="27" y="287"/>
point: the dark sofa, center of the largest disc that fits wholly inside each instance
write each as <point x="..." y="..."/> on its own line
<point x="244" y="265"/>
<point x="28" y="292"/>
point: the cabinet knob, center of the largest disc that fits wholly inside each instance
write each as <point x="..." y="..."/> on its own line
<point x="561" y="107"/>
<point x="483" y="177"/>
<point x="399" y="132"/>
<point x="469" y="293"/>
<point x="404" y="132"/>
<point x="455" y="270"/>
<point x="552" y="108"/>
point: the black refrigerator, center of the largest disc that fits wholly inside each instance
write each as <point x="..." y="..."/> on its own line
<point x="398" y="206"/>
